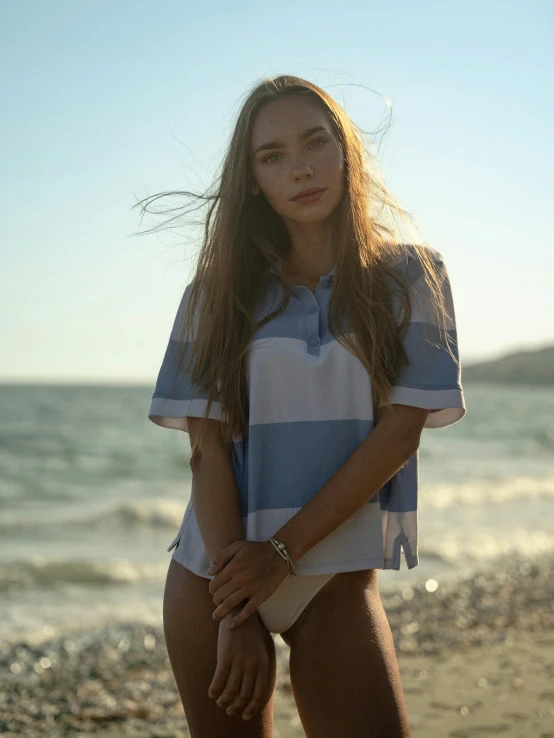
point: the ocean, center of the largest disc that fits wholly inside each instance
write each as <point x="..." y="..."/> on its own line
<point x="92" y="493"/>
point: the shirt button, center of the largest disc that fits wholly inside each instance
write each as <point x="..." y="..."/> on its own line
<point x="314" y="309"/>
<point x="313" y="341"/>
<point x="327" y="284"/>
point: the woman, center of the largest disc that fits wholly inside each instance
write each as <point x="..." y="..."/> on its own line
<point x="308" y="353"/>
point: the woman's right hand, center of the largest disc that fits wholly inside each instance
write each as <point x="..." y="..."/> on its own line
<point x="241" y="677"/>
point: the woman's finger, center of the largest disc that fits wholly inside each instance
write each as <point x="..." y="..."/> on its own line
<point x="220" y="580"/>
<point x="220" y="678"/>
<point x="226" y="590"/>
<point x="229" y="605"/>
<point x="248" y="610"/>
<point x="224" y="556"/>
<point x="233" y="685"/>
<point x="258" y="695"/>
<point x="245" y="694"/>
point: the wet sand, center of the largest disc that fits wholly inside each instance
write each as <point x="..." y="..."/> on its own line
<point x="476" y="659"/>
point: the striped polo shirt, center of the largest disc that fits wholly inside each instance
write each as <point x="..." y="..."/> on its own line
<point x="310" y="406"/>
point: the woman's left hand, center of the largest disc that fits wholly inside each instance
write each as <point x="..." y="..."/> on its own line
<point x="245" y="569"/>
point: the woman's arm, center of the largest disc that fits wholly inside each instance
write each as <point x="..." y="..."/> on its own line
<point x="380" y="455"/>
<point x="215" y="492"/>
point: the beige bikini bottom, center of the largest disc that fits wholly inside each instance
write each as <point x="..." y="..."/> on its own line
<point x="289" y="600"/>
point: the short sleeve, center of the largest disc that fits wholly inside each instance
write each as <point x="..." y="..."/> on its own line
<point x="175" y="397"/>
<point x="432" y="380"/>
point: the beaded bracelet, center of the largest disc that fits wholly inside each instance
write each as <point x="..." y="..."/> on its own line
<point x="282" y="551"/>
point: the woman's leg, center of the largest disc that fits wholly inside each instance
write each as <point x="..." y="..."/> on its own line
<point x="343" y="668"/>
<point x="191" y="636"/>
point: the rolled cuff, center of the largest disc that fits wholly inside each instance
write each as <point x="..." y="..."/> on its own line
<point x="173" y="413"/>
<point x="447" y="406"/>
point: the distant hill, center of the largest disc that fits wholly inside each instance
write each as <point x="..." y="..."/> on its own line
<point x="521" y="367"/>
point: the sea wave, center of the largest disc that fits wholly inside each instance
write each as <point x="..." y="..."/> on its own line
<point x="39" y="572"/>
<point x="466" y="548"/>
<point x="492" y="491"/>
<point x="161" y="514"/>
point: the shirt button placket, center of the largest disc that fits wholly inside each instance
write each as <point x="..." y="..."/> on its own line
<point x="312" y="321"/>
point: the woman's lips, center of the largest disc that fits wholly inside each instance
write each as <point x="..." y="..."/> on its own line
<point x="309" y="198"/>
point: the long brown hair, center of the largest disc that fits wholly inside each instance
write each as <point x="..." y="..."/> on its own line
<point x="244" y="237"/>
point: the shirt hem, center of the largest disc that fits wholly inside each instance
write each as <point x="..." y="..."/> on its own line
<point x="376" y="562"/>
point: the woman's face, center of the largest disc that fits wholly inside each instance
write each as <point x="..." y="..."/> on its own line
<point x="295" y="158"/>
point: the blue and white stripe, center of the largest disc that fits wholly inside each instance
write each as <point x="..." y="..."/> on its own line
<point x="310" y="406"/>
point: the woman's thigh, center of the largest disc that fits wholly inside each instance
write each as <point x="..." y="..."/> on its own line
<point x="343" y="668"/>
<point x="191" y="636"/>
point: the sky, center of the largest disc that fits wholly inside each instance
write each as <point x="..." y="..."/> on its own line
<point x="106" y="103"/>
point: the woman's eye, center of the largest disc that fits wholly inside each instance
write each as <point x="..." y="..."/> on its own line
<point x="315" y="140"/>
